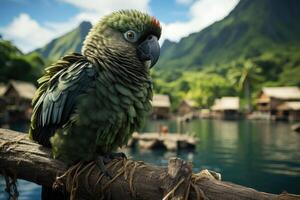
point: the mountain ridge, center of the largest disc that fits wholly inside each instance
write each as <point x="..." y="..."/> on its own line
<point x="247" y="31"/>
<point x="67" y="43"/>
<point x="253" y="28"/>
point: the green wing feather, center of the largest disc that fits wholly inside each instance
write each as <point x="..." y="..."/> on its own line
<point x="55" y="99"/>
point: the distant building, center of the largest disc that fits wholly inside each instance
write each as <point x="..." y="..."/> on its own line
<point x="161" y="106"/>
<point x="2" y="89"/>
<point x="18" y="95"/>
<point x="2" y="104"/>
<point x="280" y="103"/>
<point x="226" y="108"/>
<point x="18" y="91"/>
<point x="187" y="106"/>
<point x="289" y="110"/>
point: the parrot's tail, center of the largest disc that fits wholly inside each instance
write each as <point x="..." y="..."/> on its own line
<point x="49" y="194"/>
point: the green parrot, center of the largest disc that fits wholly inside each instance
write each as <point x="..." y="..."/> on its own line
<point x="89" y="104"/>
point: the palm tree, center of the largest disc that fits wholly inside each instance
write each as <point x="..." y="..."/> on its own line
<point x="244" y="76"/>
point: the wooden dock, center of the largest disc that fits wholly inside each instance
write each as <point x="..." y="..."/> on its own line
<point x="169" y="141"/>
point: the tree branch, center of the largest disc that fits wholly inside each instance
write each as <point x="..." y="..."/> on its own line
<point x="27" y="160"/>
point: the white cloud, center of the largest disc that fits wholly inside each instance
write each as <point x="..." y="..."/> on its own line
<point x="92" y="17"/>
<point x="27" y="33"/>
<point x="93" y="10"/>
<point x="104" y="7"/>
<point x="184" y="2"/>
<point x="202" y="13"/>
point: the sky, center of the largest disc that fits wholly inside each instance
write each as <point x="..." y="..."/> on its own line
<point x="31" y="24"/>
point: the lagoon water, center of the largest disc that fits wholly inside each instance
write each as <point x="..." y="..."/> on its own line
<point x="259" y="154"/>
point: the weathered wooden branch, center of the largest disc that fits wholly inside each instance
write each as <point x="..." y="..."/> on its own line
<point x="27" y="160"/>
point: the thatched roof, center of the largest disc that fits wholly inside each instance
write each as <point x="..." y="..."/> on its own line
<point x="227" y="103"/>
<point x="190" y="103"/>
<point x="160" y="100"/>
<point x="24" y="89"/>
<point x="2" y="89"/>
<point x="282" y="92"/>
<point x="289" y="105"/>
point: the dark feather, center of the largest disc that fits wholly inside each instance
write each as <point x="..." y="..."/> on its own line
<point x="58" y="100"/>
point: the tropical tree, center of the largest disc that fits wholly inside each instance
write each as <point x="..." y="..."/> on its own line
<point x="244" y="76"/>
<point x="16" y="65"/>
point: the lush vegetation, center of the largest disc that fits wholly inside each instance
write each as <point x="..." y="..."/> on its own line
<point x="253" y="28"/>
<point x="256" y="45"/>
<point x="203" y="87"/>
<point x="243" y="78"/>
<point x="15" y="65"/>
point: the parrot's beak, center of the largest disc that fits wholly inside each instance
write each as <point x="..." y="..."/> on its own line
<point x="148" y="51"/>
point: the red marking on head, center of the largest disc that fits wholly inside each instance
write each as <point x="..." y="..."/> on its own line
<point x="155" y="22"/>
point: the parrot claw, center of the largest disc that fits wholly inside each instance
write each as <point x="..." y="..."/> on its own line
<point x="100" y="163"/>
<point x="102" y="160"/>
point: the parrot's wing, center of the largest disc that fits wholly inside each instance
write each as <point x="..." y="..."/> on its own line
<point x="57" y="98"/>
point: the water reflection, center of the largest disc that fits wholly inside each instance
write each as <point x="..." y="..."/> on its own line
<point x="258" y="154"/>
<point x="27" y="190"/>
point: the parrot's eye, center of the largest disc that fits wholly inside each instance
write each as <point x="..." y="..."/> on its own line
<point x="130" y="36"/>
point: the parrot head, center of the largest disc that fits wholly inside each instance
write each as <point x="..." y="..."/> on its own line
<point x="127" y="35"/>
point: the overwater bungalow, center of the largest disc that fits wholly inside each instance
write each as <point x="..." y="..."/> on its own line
<point x="2" y="91"/>
<point x="226" y="108"/>
<point x="18" y="95"/>
<point x="187" y="106"/>
<point x="161" y="107"/>
<point x="280" y="103"/>
<point x="2" y="104"/>
<point x="289" y="110"/>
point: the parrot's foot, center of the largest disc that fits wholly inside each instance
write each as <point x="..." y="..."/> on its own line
<point x="100" y="163"/>
<point x="105" y="159"/>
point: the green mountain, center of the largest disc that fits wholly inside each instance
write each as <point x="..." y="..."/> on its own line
<point x="257" y="44"/>
<point x="253" y="28"/>
<point x="70" y="42"/>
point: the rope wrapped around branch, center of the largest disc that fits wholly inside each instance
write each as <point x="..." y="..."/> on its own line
<point x="23" y="159"/>
<point x="177" y="182"/>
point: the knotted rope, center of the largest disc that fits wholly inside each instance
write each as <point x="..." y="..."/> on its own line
<point x="70" y="179"/>
<point x="81" y="174"/>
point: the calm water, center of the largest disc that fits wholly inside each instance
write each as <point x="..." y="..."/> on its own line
<point x="258" y="154"/>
